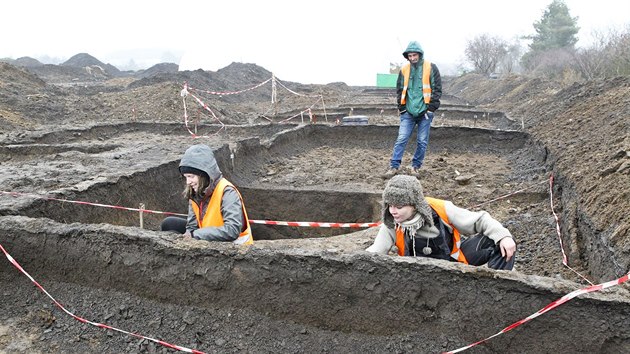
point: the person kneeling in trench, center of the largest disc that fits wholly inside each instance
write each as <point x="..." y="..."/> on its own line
<point x="215" y="210"/>
<point x="435" y="228"/>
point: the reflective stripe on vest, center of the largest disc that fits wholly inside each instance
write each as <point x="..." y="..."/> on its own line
<point x="213" y="216"/>
<point x="438" y="206"/>
<point x="426" y="82"/>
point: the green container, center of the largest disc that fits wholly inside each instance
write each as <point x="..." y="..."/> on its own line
<point x="386" y="80"/>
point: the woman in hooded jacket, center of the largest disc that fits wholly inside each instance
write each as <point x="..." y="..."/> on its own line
<point x="215" y="210"/>
<point x="428" y="227"/>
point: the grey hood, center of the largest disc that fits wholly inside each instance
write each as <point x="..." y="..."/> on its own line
<point x="201" y="157"/>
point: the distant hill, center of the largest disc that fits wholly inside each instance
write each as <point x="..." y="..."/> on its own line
<point x="161" y="68"/>
<point x="83" y="60"/>
<point x="85" y="67"/>
<point x="26" y="62"/>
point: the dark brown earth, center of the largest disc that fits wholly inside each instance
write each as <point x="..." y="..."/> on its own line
<point x="116" y="139"/>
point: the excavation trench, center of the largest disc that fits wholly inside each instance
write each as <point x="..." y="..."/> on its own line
<point x="335" y="296"/>
<point x="158" y="188"/>
<point x="318" y="279"/>
<point x="265" y="206"/>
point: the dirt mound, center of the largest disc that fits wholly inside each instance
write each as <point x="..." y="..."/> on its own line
<point x="25" y="99"/>
<point x="501" y="93"/>
<point x="80" y="87"/>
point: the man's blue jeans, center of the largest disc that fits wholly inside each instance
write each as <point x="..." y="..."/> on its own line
<point x="407" y="123"/>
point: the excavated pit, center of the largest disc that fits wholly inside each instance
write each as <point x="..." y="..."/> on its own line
<point x="158" y="188"/>
<point x="314" y="283"/>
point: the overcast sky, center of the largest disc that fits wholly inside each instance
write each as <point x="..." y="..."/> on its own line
<point x="308" y="42"/>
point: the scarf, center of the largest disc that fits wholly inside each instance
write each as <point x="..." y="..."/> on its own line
<point x="412" y="225"/>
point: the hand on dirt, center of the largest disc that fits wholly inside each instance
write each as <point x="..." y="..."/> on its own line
<point x="186" y="236"/>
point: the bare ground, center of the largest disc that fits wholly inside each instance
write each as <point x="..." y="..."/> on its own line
<point x="97" y="142"/>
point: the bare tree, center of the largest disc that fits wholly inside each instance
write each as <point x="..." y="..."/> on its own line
<point x="485" y="52"/>
<point x="553" y="63"/>
<point x="607" y="57"/>
<point x="510" y="62"/>
<point x="591" y="61"/>
<point x="618" y="53"/>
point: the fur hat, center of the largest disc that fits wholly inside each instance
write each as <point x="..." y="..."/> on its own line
<point x="404" y="190"/>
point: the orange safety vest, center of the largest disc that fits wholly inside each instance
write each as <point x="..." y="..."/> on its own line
<point x="426" y="82"/>
<point x="213" y="216"/>
<point x="438" y="206"/>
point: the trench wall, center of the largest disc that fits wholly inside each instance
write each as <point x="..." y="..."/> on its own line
<point x="159" y="188"/>
<point x="454" y="114"/>
<point x="341" y="293"/>
<point x="337" y="292"/>
<point x="253" y="152"/>
<point x="587" y="243"/>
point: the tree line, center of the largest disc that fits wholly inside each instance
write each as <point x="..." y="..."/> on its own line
<point x="552" y="52"/>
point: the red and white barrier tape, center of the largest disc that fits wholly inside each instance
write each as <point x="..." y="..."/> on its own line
<point x="301" y="114"/>
<point x="184" y="93"/>
<point x="230" y="92"/>
<point x="563" y="299"/>
<point x="564" y="256"/>
<point x="293" y="92"/>
<point x="548" y="308"/>
<point x="266" y="222"/>
<point x="506" y="195"/>
<point x="17" y="194"/>
<point x="96" y="324"/>
<point x="545" y="309"/>
<point x="315" y="224"/>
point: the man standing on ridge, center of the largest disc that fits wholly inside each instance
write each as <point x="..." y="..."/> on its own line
<point x="418" y="89"/>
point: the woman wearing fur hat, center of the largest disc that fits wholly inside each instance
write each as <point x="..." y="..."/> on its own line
<point x="215" y="211"/>
<point x="429" y="227"/>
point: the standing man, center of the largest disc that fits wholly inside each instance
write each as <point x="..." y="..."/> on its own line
<point x="419" y="88"/>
